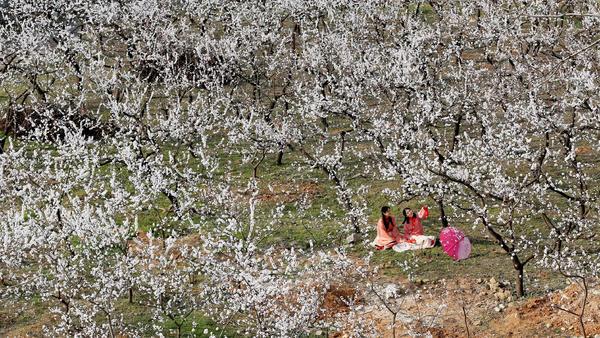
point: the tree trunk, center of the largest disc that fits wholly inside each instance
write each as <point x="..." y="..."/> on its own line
<point x="324" y="124"/>
<point x="355" y="225"/>
<point x="520" y="276"/>
<point x="394" y="326"/>
<point x="255" y="168"/>
<point x="443" y="217"/>
<point x="280" y="157"/>
<point x="110" y="326"/>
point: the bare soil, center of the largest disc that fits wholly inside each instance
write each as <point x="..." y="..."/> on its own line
<point x="436" y="309"/>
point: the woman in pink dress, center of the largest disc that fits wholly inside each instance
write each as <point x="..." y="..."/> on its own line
<point x="412" y="223"/>
<point x="388" y="234"/>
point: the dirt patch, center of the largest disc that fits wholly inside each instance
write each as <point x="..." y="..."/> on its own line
<point x="7" y="318"/>
<point x="31" y="329"/>
<point x="338" y="299"/>
<point x="143" y="243"/>
<point x="583" y="150"/>
<point x="290" y="192"/>
<point x="436" y="308"/>
<point x="541" y="315"/>
<point x="184" y="243"/>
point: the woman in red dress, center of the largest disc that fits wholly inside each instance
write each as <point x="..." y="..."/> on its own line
<point x="412" y="223"/>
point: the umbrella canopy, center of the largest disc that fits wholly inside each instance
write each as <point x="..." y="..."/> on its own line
<point x="455" y="243"/>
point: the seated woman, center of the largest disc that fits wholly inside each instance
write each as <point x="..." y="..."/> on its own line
<point x="412" y="223"/>
<point x="388" y="234"/>
<point x="413" y="229"/>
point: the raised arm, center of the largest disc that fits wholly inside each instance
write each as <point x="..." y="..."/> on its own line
<point x="423" y="213"/>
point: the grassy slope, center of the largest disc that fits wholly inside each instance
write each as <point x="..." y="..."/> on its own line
<point x="299" y="229"/>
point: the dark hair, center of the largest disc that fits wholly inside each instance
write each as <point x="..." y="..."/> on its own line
<point x="406" y="220"/>
<point x="386" y="220"/>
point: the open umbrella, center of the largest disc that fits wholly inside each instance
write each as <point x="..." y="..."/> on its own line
<point x="455" y="243"/>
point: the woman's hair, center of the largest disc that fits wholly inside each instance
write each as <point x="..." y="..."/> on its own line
<point x="387" y="221"/>
<point x="406" y="216"/>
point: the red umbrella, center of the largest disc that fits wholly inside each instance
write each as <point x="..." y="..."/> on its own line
<point x="455" y="243"/>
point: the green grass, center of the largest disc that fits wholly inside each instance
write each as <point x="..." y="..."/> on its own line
<point x="299" y="229"/>
<point x="26" y="317"/>
<point x="194" y="325"/>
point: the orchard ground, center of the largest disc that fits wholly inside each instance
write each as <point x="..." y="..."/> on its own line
<point x="437" y="288"/>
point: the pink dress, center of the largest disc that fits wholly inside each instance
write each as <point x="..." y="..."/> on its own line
<point x="414" y="226"/>
<point x="387" y="239"/>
